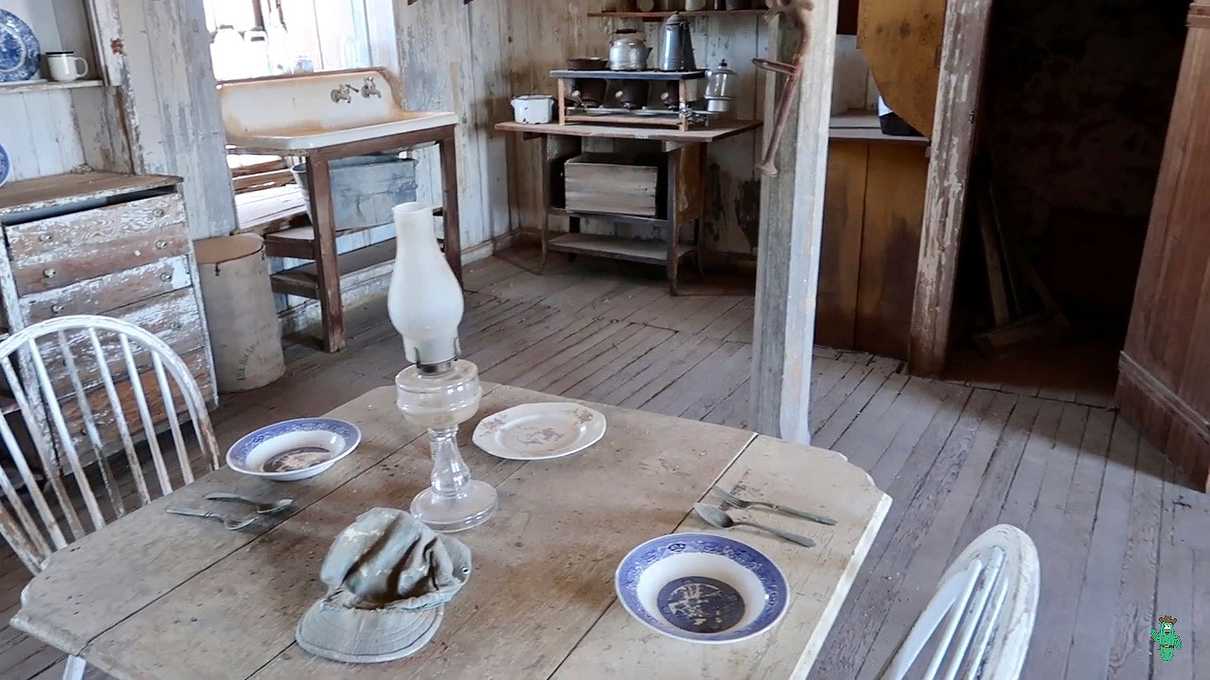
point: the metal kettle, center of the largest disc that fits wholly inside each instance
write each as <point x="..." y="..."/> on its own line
<point x="628" y="51"/>
<point x="676" y="47"/>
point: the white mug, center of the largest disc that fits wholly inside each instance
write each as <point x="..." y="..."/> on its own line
<point x="66" y="66"/>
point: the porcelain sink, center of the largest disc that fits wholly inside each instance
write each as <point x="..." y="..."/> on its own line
<point x="296" y="113"/>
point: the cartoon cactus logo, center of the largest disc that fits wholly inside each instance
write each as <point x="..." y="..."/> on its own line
<point x="1166" y="637"/>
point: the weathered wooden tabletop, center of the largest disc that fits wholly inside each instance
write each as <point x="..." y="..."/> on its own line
<point x="156" y="596"/>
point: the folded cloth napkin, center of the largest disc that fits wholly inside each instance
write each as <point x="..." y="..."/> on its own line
<point x="389" y="577"/>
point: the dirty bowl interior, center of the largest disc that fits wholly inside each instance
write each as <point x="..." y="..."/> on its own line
<point x="294" y="449"/>
<point x="702" y="588"/>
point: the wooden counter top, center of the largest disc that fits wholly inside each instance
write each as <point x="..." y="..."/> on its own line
<point x="719" y="130"/>
<point x="57" y="190"/>
<point x="862" y="126"/>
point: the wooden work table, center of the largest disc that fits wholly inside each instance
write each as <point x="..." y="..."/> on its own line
<point x="156" y="596"/>
<point x="717" y="131"/>
<point x="683" y="168"/>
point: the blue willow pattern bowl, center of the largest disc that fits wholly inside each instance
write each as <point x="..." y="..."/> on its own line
<point x="702" y="588"/>
<point x="294" y="449"/>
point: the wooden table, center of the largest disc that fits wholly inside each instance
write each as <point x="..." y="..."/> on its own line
<point x="321" y="279"/>
<point x="684" y="168"/>
<point x="154" y="596"/>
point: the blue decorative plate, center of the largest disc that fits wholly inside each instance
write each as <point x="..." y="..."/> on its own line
<point x="20" y="55"/>
<point x="293" y="449"/>
<point x="6" y="166"/>
<point x="702" y="588"/>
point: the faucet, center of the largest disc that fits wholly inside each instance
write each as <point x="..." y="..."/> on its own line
<point x="370" y="88"/>
<point x="344" y="93"/>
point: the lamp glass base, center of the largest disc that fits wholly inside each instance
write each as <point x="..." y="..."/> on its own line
<point x="474" y="505"/>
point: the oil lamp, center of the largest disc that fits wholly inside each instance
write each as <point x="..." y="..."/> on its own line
<point x="438" y="391"/>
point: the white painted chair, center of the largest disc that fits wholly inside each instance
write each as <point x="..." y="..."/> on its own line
<point x="68" y="360"/>
<point x="988" y="598"/>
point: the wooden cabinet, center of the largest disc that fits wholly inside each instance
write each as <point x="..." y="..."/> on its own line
<point x="873" y="207"/>
<point x="1164" y="369"/>
<point x="110" y="245"/>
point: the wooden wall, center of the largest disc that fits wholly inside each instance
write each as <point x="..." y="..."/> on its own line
<point x="452" y="57"/>
<point x="1164" y="381"/>
<point x="172" y="113"/>
<point x="170" y="122"/>
<point x="41" y="131"/>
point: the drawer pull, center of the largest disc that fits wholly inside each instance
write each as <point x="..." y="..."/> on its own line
<point x="166" y="276"/>
<point x="49" y="273"/>
<point x="46" y="238"/>
<point x="56" y="309"/>
<point x="159" y="212"/>
<point x="161" y="244"/>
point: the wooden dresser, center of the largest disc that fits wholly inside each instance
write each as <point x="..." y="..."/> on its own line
<point x="105" y="244"/>
<point x="1164" y="370"/>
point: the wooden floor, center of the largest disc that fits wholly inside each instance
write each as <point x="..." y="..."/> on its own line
<point x="1121" y="540"/>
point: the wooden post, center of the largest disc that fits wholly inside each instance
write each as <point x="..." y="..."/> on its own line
<point x="791" y="215"/>
<point x="449" y="192"/>
<point x="962" y="52"/>
<point x="327" y="268"/>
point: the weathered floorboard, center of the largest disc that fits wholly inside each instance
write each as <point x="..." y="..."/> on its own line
<point x="1121" y="541"/>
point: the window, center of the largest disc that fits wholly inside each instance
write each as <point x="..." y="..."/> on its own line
<point x="253" y="38"/>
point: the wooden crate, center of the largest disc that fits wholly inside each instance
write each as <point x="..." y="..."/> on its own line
<point x="607" y="183"/>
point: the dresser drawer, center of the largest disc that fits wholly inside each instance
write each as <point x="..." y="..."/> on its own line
<point x="56" y="252"/>
<point x="173" y="317"/>
<point x="99" y="295"/>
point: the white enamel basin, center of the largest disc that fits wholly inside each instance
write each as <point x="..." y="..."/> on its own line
<point x="293" y="113"/>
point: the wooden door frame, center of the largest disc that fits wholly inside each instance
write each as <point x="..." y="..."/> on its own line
<point x="962" y="53"/>
<point x="791" y="223"/>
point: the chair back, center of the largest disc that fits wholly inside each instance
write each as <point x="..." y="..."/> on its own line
<point x="82" y="385"/>
<point x="987" y="598"/>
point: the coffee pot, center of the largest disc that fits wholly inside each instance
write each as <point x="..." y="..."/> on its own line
<point x="676" y="47"/>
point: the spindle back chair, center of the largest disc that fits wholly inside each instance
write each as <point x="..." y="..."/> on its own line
<point x="988" y="596"/>
<point x="111" y="379"/>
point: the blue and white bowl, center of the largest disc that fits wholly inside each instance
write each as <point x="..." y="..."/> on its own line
<point x="293" y="449"/>
<point x="702" y="588"/>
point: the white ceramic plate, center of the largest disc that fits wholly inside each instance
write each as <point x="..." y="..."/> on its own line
<point x="540" y="431"/>
<point x="293" y="449"/>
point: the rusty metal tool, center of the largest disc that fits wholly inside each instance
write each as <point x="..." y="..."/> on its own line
<point x="799" y="12"/>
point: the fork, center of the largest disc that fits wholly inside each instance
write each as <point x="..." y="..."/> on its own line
<point x="731" y="500"/>
<point x="228" y="522"/>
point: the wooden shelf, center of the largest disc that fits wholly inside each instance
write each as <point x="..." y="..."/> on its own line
<point x="54" y="191"/>
<point x="304" y="281"/>
<point x="566" y="73"/>
<point x="48" y="86"/>
<point x="616" y="217"/>
<point x="660" y="16"/>
<point x="863" y="126"/>
<point x="631" y="250"/>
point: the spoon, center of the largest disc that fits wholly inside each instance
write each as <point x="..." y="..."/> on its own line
<point x="718" y="518"/>
<point x="262" y="508"/>
<point x="229" y="523"/>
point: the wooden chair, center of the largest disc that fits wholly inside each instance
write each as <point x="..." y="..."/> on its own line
<point x="988" y="598"/>
<point x="76" y="371"/>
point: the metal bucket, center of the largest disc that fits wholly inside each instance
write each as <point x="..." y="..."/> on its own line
<point x="244" y="334"/>
<point x="365" y="188"/>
